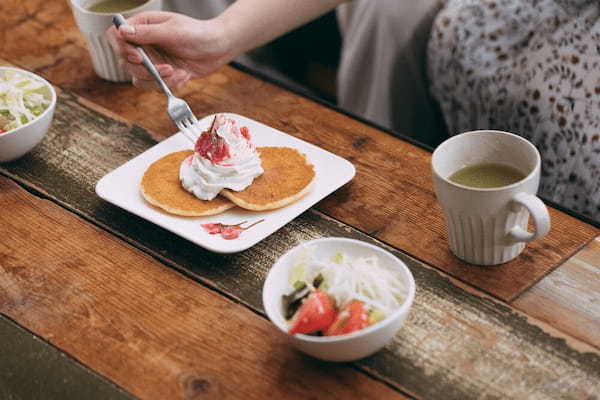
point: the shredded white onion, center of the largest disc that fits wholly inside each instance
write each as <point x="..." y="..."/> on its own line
<point x="346" y="279"/>
<point x="21" y="99"/>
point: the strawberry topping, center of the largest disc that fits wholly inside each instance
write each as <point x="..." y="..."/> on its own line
<point x="212" y="147"/>
<point x="245" y="133"/>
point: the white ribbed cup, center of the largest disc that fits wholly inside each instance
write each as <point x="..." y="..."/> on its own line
<point x="93" y="26"/>
<point x="489" y="226"/>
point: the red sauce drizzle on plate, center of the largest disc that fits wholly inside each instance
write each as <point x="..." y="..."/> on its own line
<point x="227" y="232"/>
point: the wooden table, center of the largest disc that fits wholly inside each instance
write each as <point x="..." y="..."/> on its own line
<point x="97" y="303"/>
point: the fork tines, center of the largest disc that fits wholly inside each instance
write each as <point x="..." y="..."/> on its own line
<point x="186" y="126"/>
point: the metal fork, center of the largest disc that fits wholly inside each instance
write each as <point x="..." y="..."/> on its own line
<point x="178" y="109"/>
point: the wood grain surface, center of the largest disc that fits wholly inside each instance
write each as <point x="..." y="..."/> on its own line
<point x="32" y="369"/>
<point x="66" y="166"/>
<point x="569" y="298"/>
<point x="131" y="319"/>
<point x="144" y="317"/>
<point x="147" y="328"/>
<point x="391" y="197"/>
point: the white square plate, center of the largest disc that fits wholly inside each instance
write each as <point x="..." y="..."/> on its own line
<point x="121" y="188"/>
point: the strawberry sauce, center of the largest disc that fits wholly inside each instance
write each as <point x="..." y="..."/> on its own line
<point x="212" y="148"/>
<point x="245" y="133"/>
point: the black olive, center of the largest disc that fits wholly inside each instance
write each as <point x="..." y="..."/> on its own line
<point x="292" y="301"/>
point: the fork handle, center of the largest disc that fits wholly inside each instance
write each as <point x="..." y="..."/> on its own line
<point x="119" y="20"/>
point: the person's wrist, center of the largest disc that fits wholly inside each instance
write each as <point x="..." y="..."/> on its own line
<point x="229" y="35"/>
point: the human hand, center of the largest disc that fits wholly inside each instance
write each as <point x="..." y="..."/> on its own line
<point x="180" y="47"/>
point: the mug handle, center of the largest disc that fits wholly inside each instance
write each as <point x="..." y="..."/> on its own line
<point x="539" y="213"/>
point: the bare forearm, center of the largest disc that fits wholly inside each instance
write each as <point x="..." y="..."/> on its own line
<point x="251" y="23"/>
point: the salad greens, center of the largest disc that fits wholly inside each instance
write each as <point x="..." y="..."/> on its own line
<point x="346" y="278"/>
<point x="340" y="295"/>
<point x="22" y="99"/>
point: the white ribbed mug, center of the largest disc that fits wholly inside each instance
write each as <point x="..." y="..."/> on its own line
<point x="93" y="25"/>
<point x="488" y="226"/>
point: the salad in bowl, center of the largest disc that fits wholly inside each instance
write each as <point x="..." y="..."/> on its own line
<point x="23" y="98"/>
<point x="27" y="103"/>
<point x="338" y="299"/>
<point x="340" y="295"/>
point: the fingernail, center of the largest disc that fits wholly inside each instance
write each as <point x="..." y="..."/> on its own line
<point x="127" y="29"/>
<point x="133" y="59"/>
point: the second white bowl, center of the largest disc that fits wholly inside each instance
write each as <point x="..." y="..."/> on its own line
<point x="17" y="142"/>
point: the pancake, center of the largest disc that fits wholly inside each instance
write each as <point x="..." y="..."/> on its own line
<point x="288" y="176"/>
<point x="161" y="187"/>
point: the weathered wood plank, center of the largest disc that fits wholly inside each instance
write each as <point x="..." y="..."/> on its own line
<point x="569" y="297"/>
<point x="391" y="197"/>
<point x="401" y="374"/>
<point x="147" y="328"/>
<point x="33" y="369"/>
<point x="442" y="321"/>
<point x="455" y="345"/>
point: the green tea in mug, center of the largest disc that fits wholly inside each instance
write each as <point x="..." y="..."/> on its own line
<point x="115" y="6"/>
<point x="487" y="175"/>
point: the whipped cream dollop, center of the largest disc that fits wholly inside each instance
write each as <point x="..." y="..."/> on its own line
<point x="224" y="157"/>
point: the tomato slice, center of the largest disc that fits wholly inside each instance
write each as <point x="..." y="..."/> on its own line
<point x="353" y="317"/>
<point x="315" y="314"/>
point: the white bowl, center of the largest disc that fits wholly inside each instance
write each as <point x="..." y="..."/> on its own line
<point x="17" y="142"/>
<point x="345" y="347"/>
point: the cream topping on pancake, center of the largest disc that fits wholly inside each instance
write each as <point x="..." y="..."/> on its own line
<point x="224" y="158"/>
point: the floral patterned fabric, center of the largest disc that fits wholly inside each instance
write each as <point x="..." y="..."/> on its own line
<point x="531" y="67"/>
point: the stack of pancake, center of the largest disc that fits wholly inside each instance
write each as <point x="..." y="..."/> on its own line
<point x="287" y="176"/>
